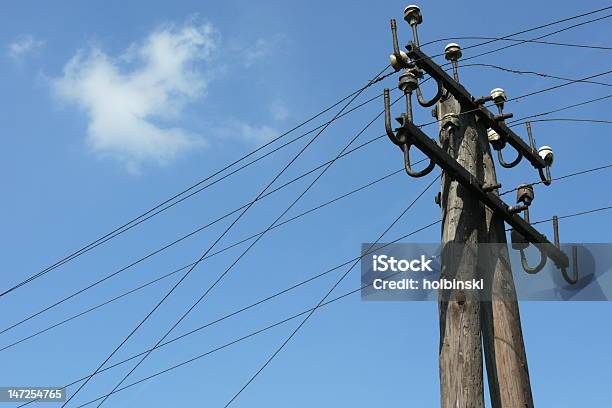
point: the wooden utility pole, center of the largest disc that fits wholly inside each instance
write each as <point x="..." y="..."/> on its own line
<point x="468" y="223"/>
<point x="460" y="354"/>
<point x="505" y="357"/>
<point x="473" y="227"/>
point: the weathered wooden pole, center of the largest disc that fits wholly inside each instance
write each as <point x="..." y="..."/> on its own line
<point x="460" y="353"/>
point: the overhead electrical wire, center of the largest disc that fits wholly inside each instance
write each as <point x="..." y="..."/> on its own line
<point x="186" y="236"/>
<point x="225" y="317"/>
<point x="266" y="328"/>
<point x="276" y="220"/>
<point x="566" y="176"/>
<point x="182" y="195"/>
<point x="252" y="305"/>
<point x="228" y="247"/>
<point x="577" y="214"/>
<point x="280" y="322"/>
<point x="540" y="91"/>
<point x="556" y="110"/>
<point x="513" y="44"/>
<point x="512" y="123"/>
<point x="327" y="294"/>
<point x="210" y="248"/>
<point x="117" y="230"/>
<point x="600" y="121"/>
<point x="224" y="249"/>
<point x="224" y="216"/>
<point x="182" y="238"/>
<point x="540" y="74"/>
<point x="594" y="47"/>
<point x="536" y="38"/>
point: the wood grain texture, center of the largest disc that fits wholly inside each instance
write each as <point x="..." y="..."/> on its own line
<point x="460" y="353"/>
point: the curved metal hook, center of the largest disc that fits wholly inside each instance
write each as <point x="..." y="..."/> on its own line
<point x="535" y="269"/>
<point x="388" y="128"/>
<point x="433" y="100"/>
<point x="574" y="279"/>
<point x="503" y="163"/>
<point x="547" y="180"/>
<point x="408" y="168"/>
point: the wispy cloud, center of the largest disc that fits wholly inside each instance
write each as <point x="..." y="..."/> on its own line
<point x="261" y="49"/>
<point x="279" y="110"/>
<point x="240" y="130"/>
<point x="133" y="99"/>
<point x="24" y="45"/>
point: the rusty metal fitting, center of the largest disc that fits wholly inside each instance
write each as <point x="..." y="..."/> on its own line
<point x="518" y="240"/>
<point x="491" y="187"/>
<point x="525" y="194"/>
<point x="408" y="81"/>
<point x="517" y="209"/>
<point x="438" y="199"/>
<point x="450" y="121"/>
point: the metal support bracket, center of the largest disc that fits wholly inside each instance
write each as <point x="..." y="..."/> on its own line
<point x="459" y="173"/>
<point x="491" y="120"/>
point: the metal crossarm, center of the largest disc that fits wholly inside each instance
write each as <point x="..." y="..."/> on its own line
<point x="425" y="63"/>
<point x="490" y="199"/>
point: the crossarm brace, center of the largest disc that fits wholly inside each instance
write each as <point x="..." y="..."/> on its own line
<point x="425" y="63"/>
<point x="490" y="199"/>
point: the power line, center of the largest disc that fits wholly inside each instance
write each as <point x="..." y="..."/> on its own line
<point x="595" y="47"/>
<point x="567" y="120"/>
<point x="295" y="331"/>
<point x="543" y="90"/>
<point x="185" y="236"/>
<point x="559" y="86"/>
<point x="588" y="13"/>
<point x="181" y="196"/>
<point x="537" y="38"/>
<point x="252" y="305"/>
<point x="226" y="248"/>
<point x="228" y="269"/>
<point x="240" y="339"/>
<point x="575" y="214"/>
<point x="540" y="74"/>
<point x="137" y="219"/>
<point x="278" y="175"/>
<point x="574" y="105"/>
<point x="577" y="173"/>
<point x="270" y="326"/>
<point x="236" y="210"/>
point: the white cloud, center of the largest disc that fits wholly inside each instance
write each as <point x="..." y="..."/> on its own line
<point x="24" y="45"/>
<point x="131" y="100"/>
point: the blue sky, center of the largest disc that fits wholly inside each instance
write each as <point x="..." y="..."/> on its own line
<point x="108" y="108"/>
